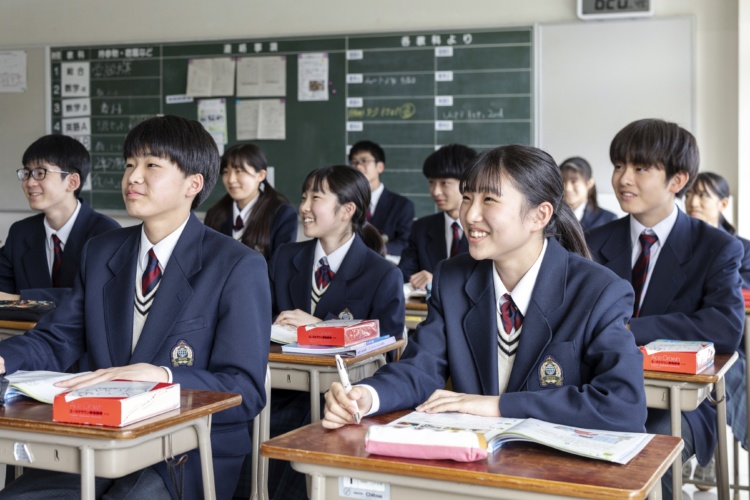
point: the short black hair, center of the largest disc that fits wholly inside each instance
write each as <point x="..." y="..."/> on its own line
<point x="181" y="141"/>
<point x="368" y="147"/>
<point x="654" y="142"/>
<point x="63" y="151"/>
<point x="448" y="162"/>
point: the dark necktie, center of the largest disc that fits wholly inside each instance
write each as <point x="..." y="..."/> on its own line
<point x="456" y="239"/>
<point x="56" y="261"/>
<point x="640" y="269"/>
<point x="324" y="274"/>
<point x="368" y="215"/>
<point x="238" y="224"/>
<point x="151" y="275"/>
<point x="510" y="315"/>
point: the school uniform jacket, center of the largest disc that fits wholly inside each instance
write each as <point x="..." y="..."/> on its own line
<point x="427" y="246"/>
<point x="213" y="295"/>
<point x="23" y="259"/>
<point x="575" y="322"/>
<point x="595" y="218"/>
<point x="694" y="294"/>
<point x="366" y="285"/>
<point x="393" y="217"/>
<point x="283" y="227"/>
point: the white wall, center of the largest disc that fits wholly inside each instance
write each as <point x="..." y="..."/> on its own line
<point x="36" y="23"/>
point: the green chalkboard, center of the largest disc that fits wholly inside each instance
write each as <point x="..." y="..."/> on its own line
<point x="409" y="92"/>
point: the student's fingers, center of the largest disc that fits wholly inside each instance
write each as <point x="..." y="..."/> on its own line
<point x="438" y="394"/>
<point x="341" y="407"/>
<point x="420" y="280"/>
<point x="140" y="372"/>
<point x="473" y="404"/>
<point x="9" y="296"/>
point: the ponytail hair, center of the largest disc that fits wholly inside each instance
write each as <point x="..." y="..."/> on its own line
<point x="718" y="185"/>
<point x="350" y="186"/>
<point x="535" y="175"/>
<point x="583" y="168"/>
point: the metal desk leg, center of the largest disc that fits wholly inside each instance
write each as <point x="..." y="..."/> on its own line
<point x="88" y="475"/>
<point x="314" y="395"/>
<point x="207" y="465"/>
<point x="675" y="417"/>
<point x="722" y="470"/>
<point x="318" y="487"/>
<point x="655" y="493"/>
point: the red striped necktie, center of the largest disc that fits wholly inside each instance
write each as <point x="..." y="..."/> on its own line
<point x="510" y="315"/>
<point x="151" y="275"/>
<point x="324" y="274"/>
<point x="456" y="239"/>
<point x="56" y="261"/>
<point x="640" y="270"/>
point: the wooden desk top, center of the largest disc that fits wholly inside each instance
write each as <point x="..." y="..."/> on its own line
<point x="318" y="360"/>
<point x="524" y="466"/>
<point x="416" y="305"/>
<point x="33" y="416"/>
<point x="722" y="363"/>
<point x="17" y="325"/>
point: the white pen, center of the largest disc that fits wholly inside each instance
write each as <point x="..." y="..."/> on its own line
<point x="344" y="376"/>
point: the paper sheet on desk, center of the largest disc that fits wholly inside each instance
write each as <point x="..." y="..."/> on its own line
<point x="283" y="334"/>
<point x="411" y="292"/>
<point x="39" y="385"/>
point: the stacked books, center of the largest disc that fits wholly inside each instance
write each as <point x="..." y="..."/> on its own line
<point x="678" y="356"/>
<point x="347" y="338"/>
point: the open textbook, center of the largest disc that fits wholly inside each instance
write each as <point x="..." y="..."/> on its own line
<point x="467" y="438"/>
<point x="39" y="385"/>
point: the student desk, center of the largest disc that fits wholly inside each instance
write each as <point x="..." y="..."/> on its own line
<point x="416" y="312"/>
<point x="110" y="451"/>
<point x="12" y="328"/>
<point x="680" y="392"/>
<point x="517" y="471"/>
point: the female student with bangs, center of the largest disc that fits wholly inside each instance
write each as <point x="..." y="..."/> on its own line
<point x="338" y="274"/>
<point x="580" y="194"/>
<point x="252" y="211"/>
<point x="525" y="325"/>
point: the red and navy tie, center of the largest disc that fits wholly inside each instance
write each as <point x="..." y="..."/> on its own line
<point x="324" y="274"/>
<point x="56" y="261"/>
<point x="456" y="239"/>
<point x="510" y="315"/>
<point x="151" y="275"/>
<point x="640" y="270"/>
<point x="238" y="224"/>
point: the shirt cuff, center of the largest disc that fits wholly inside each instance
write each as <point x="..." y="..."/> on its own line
<point x="375" y="399"/>
<point x="169" y="374"/>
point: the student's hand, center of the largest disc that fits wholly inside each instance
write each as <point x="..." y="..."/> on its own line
<point x="9" y="296"/>
<point x="340" y="407"/>
<point x="419" y="280"/>
<point x="2" y="365"/>
<point x="443" y="401"/>
<point x="142" y="372"/>
<point x="295" y="318"/>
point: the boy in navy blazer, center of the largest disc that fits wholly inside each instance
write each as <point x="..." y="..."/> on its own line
<point x="391" y="213"/>
<point x="54" y="170"/>
<point x="148" y="293"/>
<point x="684" y="272"/>
<point x="438" y="236"/>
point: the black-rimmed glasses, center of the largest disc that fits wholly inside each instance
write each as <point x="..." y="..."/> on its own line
<point x="38" y="174"/>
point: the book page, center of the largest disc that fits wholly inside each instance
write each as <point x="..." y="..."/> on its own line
<point x="283" y="334"/>
<point x="39" y="385"/>
<point x="111" y="389"/>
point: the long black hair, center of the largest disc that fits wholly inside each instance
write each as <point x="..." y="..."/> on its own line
<point x="535" y="175"/>
<point x="583" y="168"/>
<point x="349" y="185"/>
<point x="257" y="232"/>
<point x="718" y="185"/>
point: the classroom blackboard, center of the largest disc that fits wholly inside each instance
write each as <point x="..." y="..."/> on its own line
<point x="409" y="92"/>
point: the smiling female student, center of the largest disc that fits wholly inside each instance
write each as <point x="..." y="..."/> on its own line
<point x="580" y="194"/>
<point x="524" y="326"/>
<point x="252" y="211"/>
<point x="335" y="275"/>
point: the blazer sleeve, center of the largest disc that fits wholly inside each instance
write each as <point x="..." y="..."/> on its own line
<point x="284" y="228"/>
<point x="745" y="265"/>
<point x="7" y="276"/>
<point x="720" y="316"/>
<point x="403" y="222"/>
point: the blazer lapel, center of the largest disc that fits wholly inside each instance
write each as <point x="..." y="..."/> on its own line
<point x="173" y="293"/>
<point x="436" y="246"/>
<point x="300" y="286"/>
<point x="336" y="293"/>
<point x="118" y="299"/>
<point x="480" y="326"/>
<point x="617" y="251"/>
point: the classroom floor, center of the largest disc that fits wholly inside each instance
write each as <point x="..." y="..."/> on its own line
<point x="690" y="492"/>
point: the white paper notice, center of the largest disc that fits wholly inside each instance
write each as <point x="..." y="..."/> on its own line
<point x="212" y="113"/>
<point x="312" y="77"/>
<point x="13" y="71"/>
<point x="199" y="78"/>
<point x="261" y="119"/>
<point x="261" y="76"/>
<point x="222" y="78"/>
<point x="75" y="79"/>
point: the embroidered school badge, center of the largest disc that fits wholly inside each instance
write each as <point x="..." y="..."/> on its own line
<point x="550" y="373"/>
<point x="346" y="315"/>
<point x="182" y="354"/>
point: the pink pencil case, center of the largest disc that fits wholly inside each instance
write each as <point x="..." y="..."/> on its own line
<point x="395" y="441"/>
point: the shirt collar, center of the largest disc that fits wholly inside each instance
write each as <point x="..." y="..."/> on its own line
<point x="335" y="258"/>
<point x="521" y="294"/>
<point x="449" y="223"/>
<point x="661" y="229"/>
<point x="375" y="196"/>
<point x="64" y="232"/>
<point x="245" y="212"/>
<point x="163" y="249"/>
<point x="578" y="212"/>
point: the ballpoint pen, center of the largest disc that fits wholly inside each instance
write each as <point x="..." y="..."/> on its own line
<point x="344" y="376"/>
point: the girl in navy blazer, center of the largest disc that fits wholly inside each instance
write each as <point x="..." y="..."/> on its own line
<point x="252" y="211"/>
<point x="525" y="325"/>
<point x="580" y="194"/>
<point x="363" y="285"/>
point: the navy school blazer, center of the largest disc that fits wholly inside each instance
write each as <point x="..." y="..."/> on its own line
<point x="393" y="217"/>
<point x="427" y="246"/>
<point x="283" y="227"/>
<point x="366" y="285"/>
<point x="595" y="218"/>
<point x="214" y="296"/>
<point x="23" y="259"/>
<point x="694" y="294"/>
<point x="575" y="323"/>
